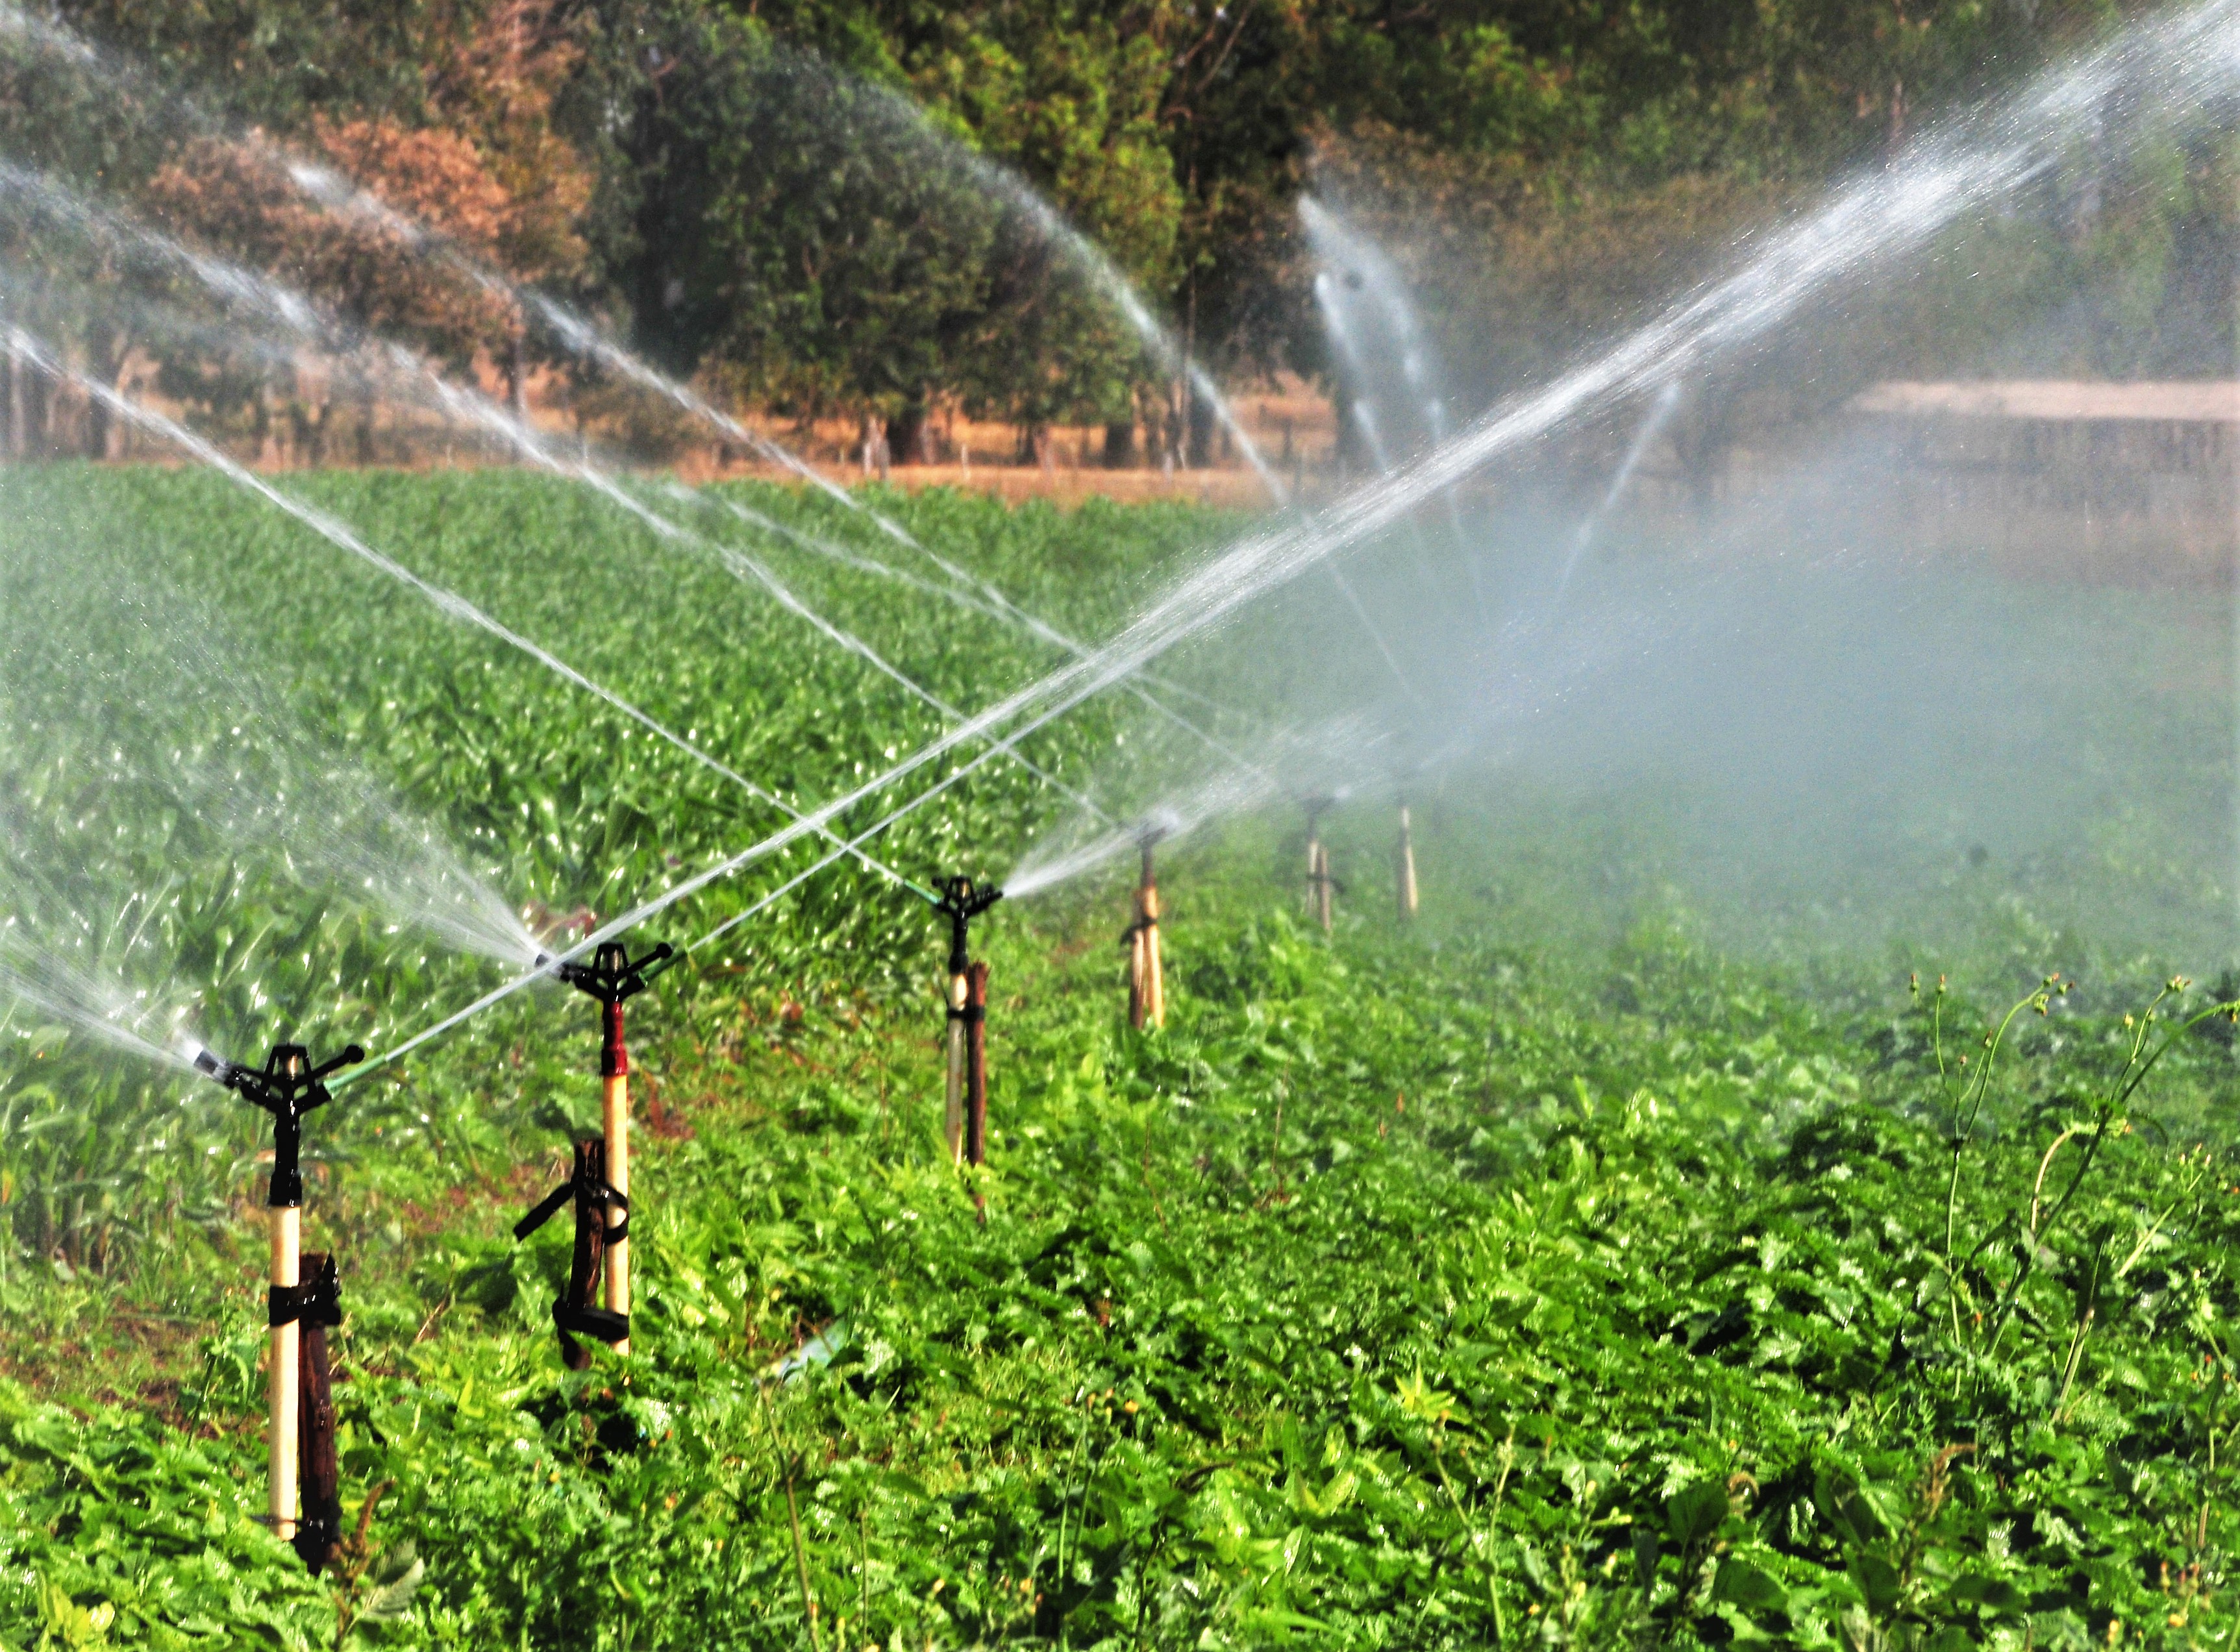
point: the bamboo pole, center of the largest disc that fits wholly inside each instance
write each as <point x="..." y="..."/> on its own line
<point x="321" y="1473"/>
<point x="1147" y="996"/>
<point x="614" y="1073"/>
<point x="283" y="1378"/>
<point x="1407" y="868"/>
<point x="975" y="1069"/>
<point x="952" y="1118"/>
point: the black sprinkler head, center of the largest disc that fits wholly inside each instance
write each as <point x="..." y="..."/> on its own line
<point x="962" y="900"/>
<point x="288" y="1086"/>
<point x="611" y="975"/>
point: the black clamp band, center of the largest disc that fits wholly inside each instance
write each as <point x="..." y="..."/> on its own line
<point x="972" y="1013"/>
<point x="590" y="1191"/>
<point x="602" y="1323"/>
<point x="317" y="1300"/>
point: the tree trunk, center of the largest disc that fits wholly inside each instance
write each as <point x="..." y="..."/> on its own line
<point x="1201" y="431"/>
<point x="516" y="378"/>
<point x="909" y="434"/>
<point x="40" y="412"/>
<point x="1120" y="444"/>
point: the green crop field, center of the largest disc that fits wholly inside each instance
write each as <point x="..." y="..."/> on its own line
<point x="1570" y="1269"/>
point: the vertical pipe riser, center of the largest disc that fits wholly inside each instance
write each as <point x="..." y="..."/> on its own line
<point x="976" y="1082"/>
<point x="1407" y="868"/>
<point x="1155" y="987"/>
<point x="952" y="1117"/>
<point x="283" y="1379"/>
<point x="614" y="1083"/>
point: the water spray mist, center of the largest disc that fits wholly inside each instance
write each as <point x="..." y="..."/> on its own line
<point x="304" y="1303"/>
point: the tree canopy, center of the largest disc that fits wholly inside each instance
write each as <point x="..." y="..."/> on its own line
<point x="808" y="203"/>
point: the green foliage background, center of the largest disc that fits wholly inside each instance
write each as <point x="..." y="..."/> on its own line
<point x="782" y="197"/>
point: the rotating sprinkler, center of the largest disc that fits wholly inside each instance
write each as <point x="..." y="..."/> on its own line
<point x="964" y="1120"/>
<point x="600" y="1184"/>
<point x="1147" y="990"/>
<point x="304" y="1303"/>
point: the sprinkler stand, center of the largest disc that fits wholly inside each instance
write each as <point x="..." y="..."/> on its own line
<point x="299" y="1439"/>
<point x="317" y="1305"/>
<point x="1147" y="991"/>
<point x="976" y="1064"/>
<point x="611" y="977"/>
<point x="1406" y="868"/>
<point x="961" y="902"/>
<point x="1319" y="881"/>
<point x="574" y="1312"/>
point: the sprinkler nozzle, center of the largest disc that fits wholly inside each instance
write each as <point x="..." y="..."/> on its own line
<point x="288" y="1086"/>
<point x="962" y="900"/>
<point x="611" y="975"/>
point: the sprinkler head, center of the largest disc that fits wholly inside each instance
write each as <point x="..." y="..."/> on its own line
<point x="288" y="1086"/>
<point x="611" y="977"/>
<point x="962" y="900"/>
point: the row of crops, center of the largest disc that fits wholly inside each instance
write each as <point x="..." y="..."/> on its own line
<point x="1530" y="1274"/>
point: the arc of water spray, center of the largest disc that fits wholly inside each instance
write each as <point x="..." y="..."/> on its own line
<point x="1334" y="241"/>
<point x="1652" y="423"/>
<point x="965" y="599"/>
<point x="1898" y="209"/>
<point x="336" y="533"/>
<point x="586" y="341"/>
<point x="323" y="185"/>
<point x="1334" y="324"/>
<point x="479" y="409"/>
<point x="301" y="317"/>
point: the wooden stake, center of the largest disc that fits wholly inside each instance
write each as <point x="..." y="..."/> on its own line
<point x="1136" y="991"/>
<point x="614" y="1070"/>
<point x="283" y="1378"/>
<point x="1322" y="886"/>
<point x="976" y="1064"/>
<point x="952" y="1117"/>
<point x="321" y="1506"/>
<point x="614" y="1111"/>
<point x="1407" y="868"/>
<point x="1147" y="991"/>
